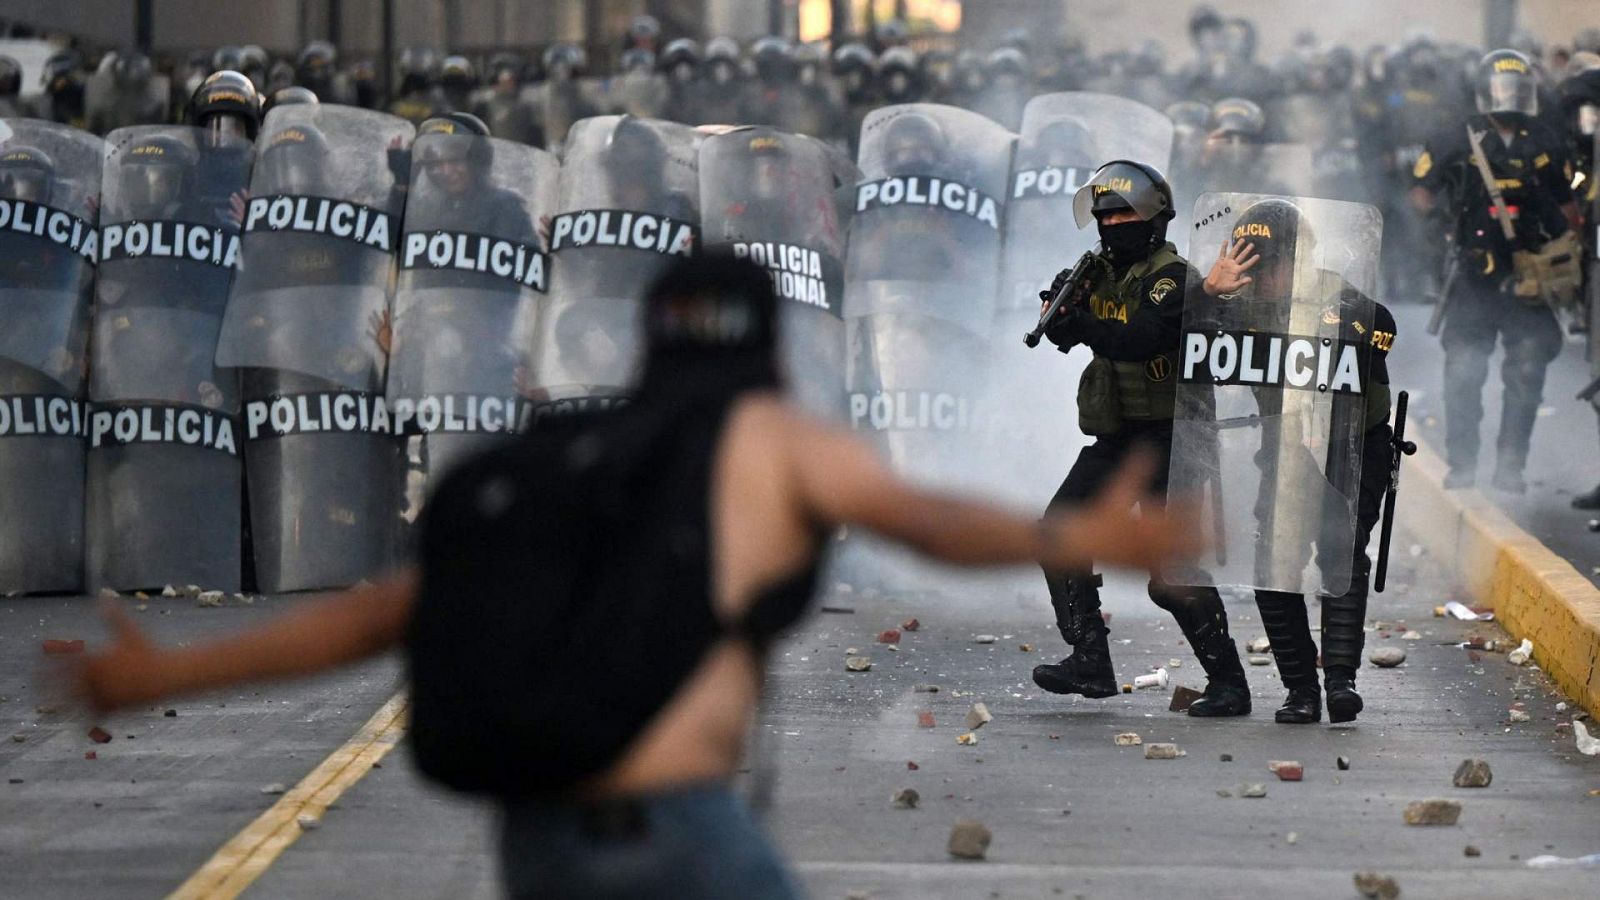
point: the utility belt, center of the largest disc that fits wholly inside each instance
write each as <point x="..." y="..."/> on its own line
<point x="1113" y="392"/>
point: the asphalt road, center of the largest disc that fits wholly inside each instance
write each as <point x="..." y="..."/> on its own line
<point x="1072" y="813"/>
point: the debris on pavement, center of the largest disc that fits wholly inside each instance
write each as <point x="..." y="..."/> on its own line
<point x="852" y="651"/>
<point x="925" y="719"/>
<point x="272" y="790"/>
<point x="56" y="646"/>
<point x="1253" y="791"/>
<point x="1174" y="663"/>
<point x="1471" y="851"/>
<point x="1286" y="770"/>
<point x="210" y="599"/>
<point x="1025" y="648"/>
<point x="171" y="714"/>
<point x="307" y="822"/>
<point x="969" y="840"/>
<point x="841" y="610"/>
<point x="1515" y="715"/>
<point x="967" y="740"/>
<point x="1432" y="812"/>
<point x="1465" y="613"/>
<point x="1473" y="773"/>
<point x="1386" y="657"/>
<point x="1127" y="739"/>
<point x="99" y="735"/>
<point x="1127" y="688"/>
<point x="1156" y="679"/>
<point x="1376" y="887"/>
<point x="911" y="766"/>
<point x="1587" y="745"/>
<point x="906" y="798"/>
<point x="1224" y="793"/>
<point x="1521" y="655"/>
<point x="910" y="625"/>
<point x="1227" y="757"/>
<point x="891" y="636"/>
<point x="984" y="639"/>
<point x="1291" y="838"/>
<point x="1260" y="660"/>
<point x="1343" y="763"/>
<point x="1559" y="862"/>
<point x="169" y="591"/>
<point x="1411" y="636"/>
<point x="1162" y="751"/>
<point x="926" y="689"/>
<point x="978" y="716"/>
<point x="1183" y="698"/>
<point x="1258" y="645"/>
<point x="108" y="594"/>
<point x="858" y="664"/>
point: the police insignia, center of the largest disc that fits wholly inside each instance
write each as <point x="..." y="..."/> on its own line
<point x="1330" y="316"/>
<point x="1160" y="290"/>
<point x="1158" y="369"/>
<point x="1424" y="165"/>
<point x="1360" y="328"/>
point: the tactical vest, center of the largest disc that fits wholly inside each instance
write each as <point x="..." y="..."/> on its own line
<point x="1113" y="392"/>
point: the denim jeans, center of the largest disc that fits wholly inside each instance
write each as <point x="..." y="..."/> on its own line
<point x="693" y="842"/>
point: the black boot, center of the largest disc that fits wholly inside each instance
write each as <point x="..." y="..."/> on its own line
<point x="1088" y="670"/>
<point x="1342" y="641"/>
<point x="1204" y="622"/>
<point x="1589" y="501"/>
<point x="1283" y="615"/>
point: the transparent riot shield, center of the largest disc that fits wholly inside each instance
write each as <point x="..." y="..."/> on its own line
<point x="770" y="197"/>
<point x="49" y="195"/>
<point x="1272" y="392"/>
<point x="165" y="480"/>
<point x="922" y="275"/>
<point x="629" y="202"/>
<point x="471" y="265"/>
<point x="1285" y="170"/>
<point x="307" y="322"/>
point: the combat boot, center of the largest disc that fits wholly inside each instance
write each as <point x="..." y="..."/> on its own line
<point x="1204" y="622"/>
<point x="1283" y="615"/>
<point x="1509" y="479"/>
<point x="1087" y="671"/>
<point x="1589" y="501"/>
<point x="1342" y="641"/>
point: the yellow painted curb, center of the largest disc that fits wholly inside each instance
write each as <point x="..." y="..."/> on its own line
<point x="1535" y="593"/>
<point x="241" y="861"/>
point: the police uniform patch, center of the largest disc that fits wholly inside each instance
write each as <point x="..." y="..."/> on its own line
<point x="1541" y="160"/>
<point x="1159" y="368"/>
<point x="1160" y="290"/>
<point x="1360" y="328"/>
<point x="1423" y="166"/>
<point x="1330" y="316"/>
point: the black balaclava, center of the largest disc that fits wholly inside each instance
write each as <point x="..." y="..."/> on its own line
<point x="1129" y="242"/>
<point x="710" y="326"/>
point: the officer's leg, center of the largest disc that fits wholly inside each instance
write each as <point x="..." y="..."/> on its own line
<point x="1075" y="595"/>
<point x="1283" y="615"/>
<point x="1344" y="616"/>
<point x="1203" y="620"/>
<point x="1532" y="339"/>
<point x="1590" y="500"/>
<point x="1468" y="340"/>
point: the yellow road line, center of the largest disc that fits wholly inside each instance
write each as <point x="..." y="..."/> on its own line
<point x="241" y="861"/>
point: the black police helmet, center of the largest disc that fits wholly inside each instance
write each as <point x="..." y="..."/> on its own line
<point x="294" y="95"/>
<point x="455" y="136"/>
<point x="10" y="77"/>
<point x="1125" y="184"/>
<point x="644" y="28"/>
<point x="682" y="50"/>
<point x="227" y="93"/>
<point x="1279" y="230"/>
<point x="457" y="72"/>
<point x="1236" y="115"/>
<point x="1507" y="83"/>
<point x="317" y="55"/>
<point x="23" y="161"/>
<point x="852" y="57"/>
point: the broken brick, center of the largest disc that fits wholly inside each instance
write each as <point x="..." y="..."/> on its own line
<point x="1183" y="698"/>
<point x="1432" y="812"/>
<point x="910" y="625"/>
<point x="99" y="735"/>
<point x="891" y="636"/>
<point x="925" y="719"/>
<point x="1287" y="770"/>
<point x="55" y="646"/>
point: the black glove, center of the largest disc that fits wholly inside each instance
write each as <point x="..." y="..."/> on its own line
<point x="1055" y="286"/>
<point x="400" y="165"/>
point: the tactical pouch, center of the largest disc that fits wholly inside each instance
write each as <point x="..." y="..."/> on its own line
<point x="1553" y="274"/>
<point x="1099" y="402"/>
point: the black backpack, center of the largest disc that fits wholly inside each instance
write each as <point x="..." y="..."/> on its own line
<point x="564" y="599"/>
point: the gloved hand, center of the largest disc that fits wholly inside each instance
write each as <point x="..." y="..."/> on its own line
<point x="1060" y="279"/>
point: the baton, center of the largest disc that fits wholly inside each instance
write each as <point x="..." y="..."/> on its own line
<point x="1398" y="447"/>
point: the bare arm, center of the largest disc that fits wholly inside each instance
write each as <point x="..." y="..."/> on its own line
<point x="841" y="481"/>
<point x="320" y="634"/>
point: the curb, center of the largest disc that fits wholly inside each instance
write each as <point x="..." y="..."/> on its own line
<point x="1535" y="593"/>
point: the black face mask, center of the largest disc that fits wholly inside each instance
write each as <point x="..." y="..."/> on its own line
<point x="1128" y="242"/>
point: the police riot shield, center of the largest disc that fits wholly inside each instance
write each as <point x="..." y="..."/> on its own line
<point x="1272" y="392"/>
<point x="1232" y="167"/>
<point x="164" y="482"/>
<point x="307" y="322"/>
<point x="471" y="264"/>
<point x="628" y="203"/>
<point x="49" y="193"/>
<point x="921" y="281"/>
<point x="770" y="197"/>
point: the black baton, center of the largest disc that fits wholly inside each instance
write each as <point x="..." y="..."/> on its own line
<point x="1398" y="447"/>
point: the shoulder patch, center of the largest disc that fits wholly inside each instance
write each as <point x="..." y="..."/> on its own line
<point x="1330" y="316"/>
<point x="1541" y="160"/>
<point x="1160" y="290"/>
<point x="1423" y="166"/>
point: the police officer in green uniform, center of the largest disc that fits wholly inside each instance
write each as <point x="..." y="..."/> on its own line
<point x="1268" y="269"/>
<point x="1533" y="171"/>
<point x="1132" y="324"/>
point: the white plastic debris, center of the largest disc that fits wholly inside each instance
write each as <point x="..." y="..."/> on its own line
<point x="1463" y="612"/>
<point x="984" y="639"/>
<point x="1521" y="655"/>
<point x="1156" y="679"/>
<point x="1258" y="645"/>
<point x="1587" y="744"/>
<point x="1562" y="862"/>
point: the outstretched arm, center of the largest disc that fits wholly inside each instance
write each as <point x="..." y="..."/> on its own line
<point x="319" y="634"/>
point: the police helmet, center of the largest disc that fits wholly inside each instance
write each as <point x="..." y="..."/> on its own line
<point x="456" y="136"/>
<point x="644" y="29"/>
<point x="638" y="59"/>
<point x="1280" y="231"/>
<point x="130" y="67"/>
<point x="680" y="51"/>
<point x="253" y="59"/>
<point x="153" y="171"/>
<point x="892" y="33"/>
<point x="60" y="70"/>
<point x="504" y="62"/>
<point x="722" y="49"/>
<point x="1203" y="19"/>
<point x="1587" y="40"/>
<point x="1125" y="184"/>
<point x="1507" y="84"/>
<point x="227" y="57"/>
<point x="26" y="173"/>
<point x="773" y="57"/>
<point x="566" y="56"/>
<point x="1238" y="116"/>
<point x="295" y="158"/>
<point x="852" y="57"/>
<point x="227" y="101"/>
<point x="457" y="72"/>
<point x="317" y="55"/>
<point x="634" y="147"/>
<point x="898" y="59"/>
<point x="419" y="66"/>
<point x="1007" y="61"/>
<point x="294" y="95"/>
<point x="913" y="145"/>
<point x="10" y="77"/>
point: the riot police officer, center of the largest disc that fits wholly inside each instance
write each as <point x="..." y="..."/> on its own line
<point x="1132" y="324"/>
<point x="418" y="98"/>
<point x="457" y="171"/>
<point x="721" y="88"/>
<point x="773" y="88"/>
<point x="854" y="71"/>
<point x="1275" y="267"/>
<point x="680" y="63"/>
<point x="457" y="80"/>
<point x="10" y="88"/>
<point x="898" y="76"/>
<point x="1490" y="297"/>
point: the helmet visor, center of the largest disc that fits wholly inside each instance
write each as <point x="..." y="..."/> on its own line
<point x="1509" y="92"/>
<point x="1116" y="187"/>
